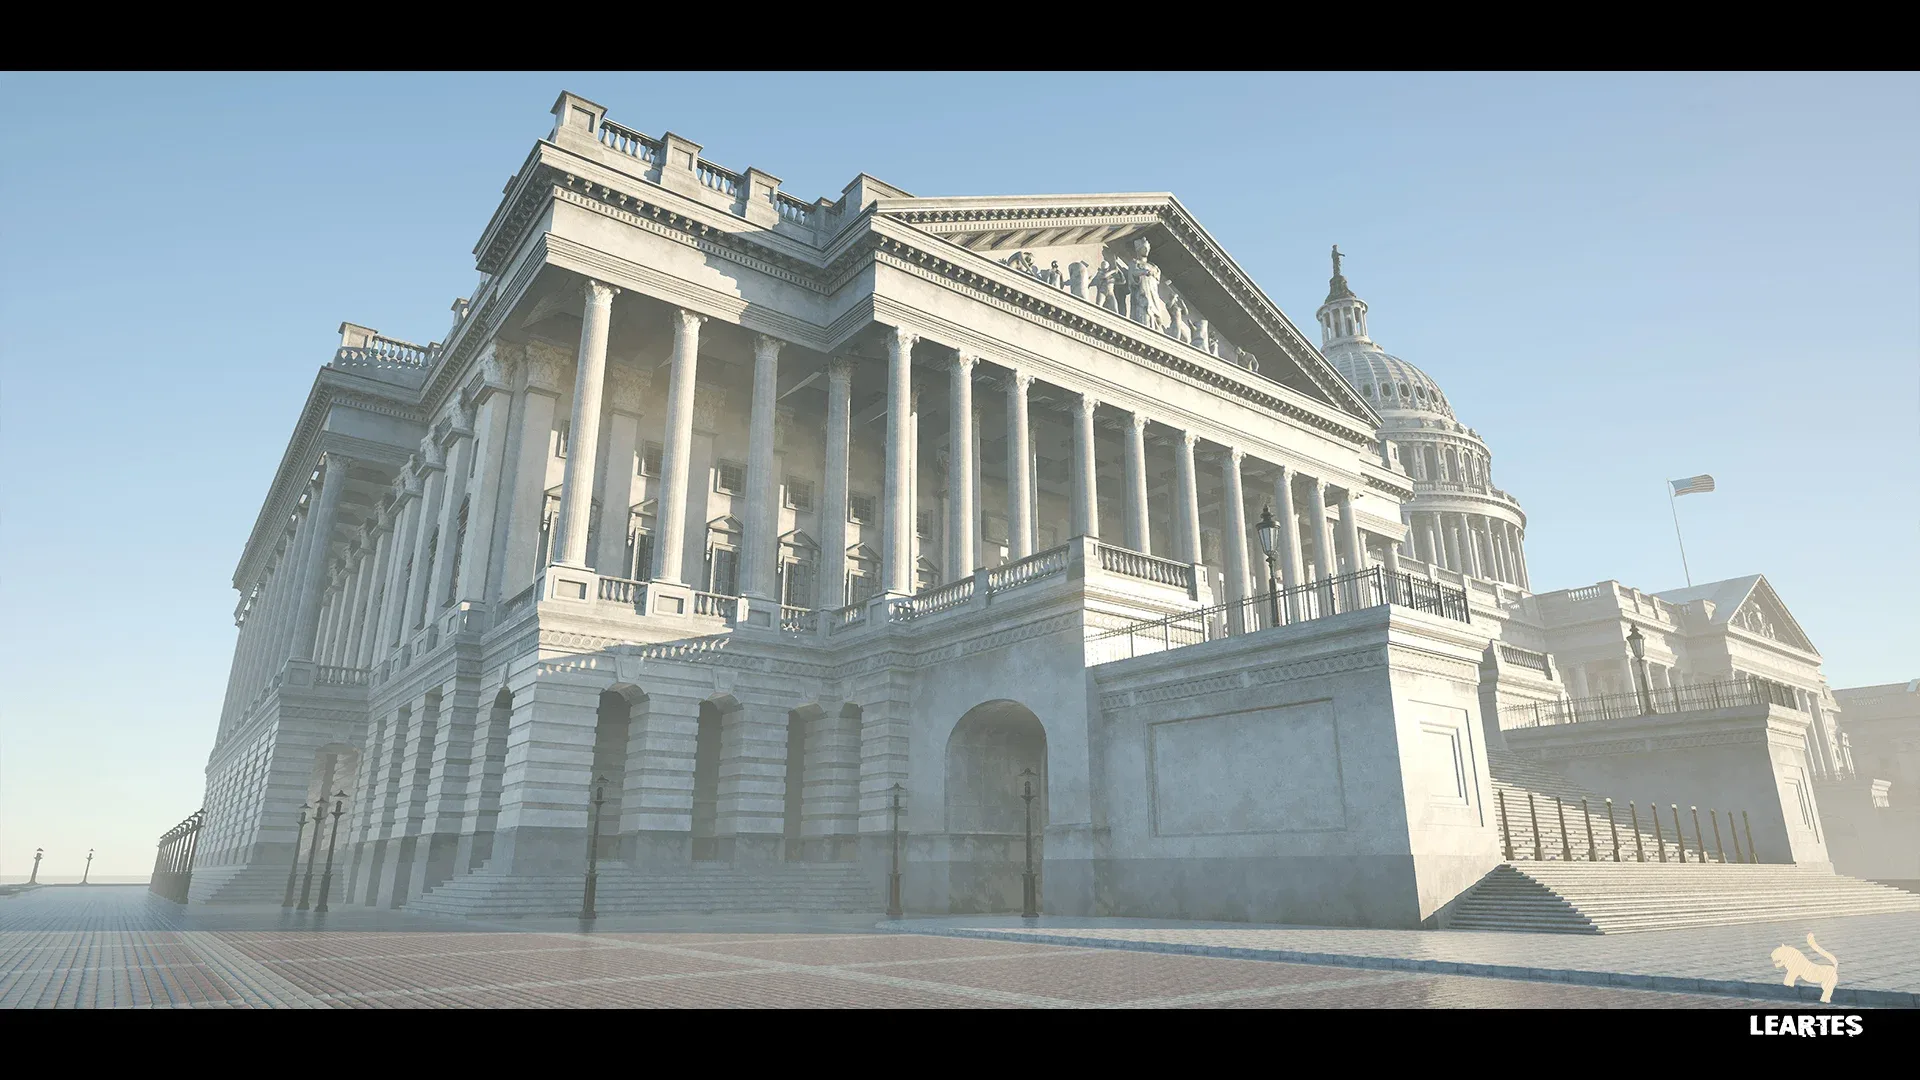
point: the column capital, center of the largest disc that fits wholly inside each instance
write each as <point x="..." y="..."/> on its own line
<point x="1019" y="380"/>
<point x="598" y="291"/>
<point x="1234" y="455"/>
<point x="1188" y="439"/>
<point x="840" y="371"/>
<point x="963" y="362"/>
<point x="544" y="367"/>
<point x="767" y="347"/>
<point x="1138" y="421"/>
<point x="1087" y="405"/>
<point x="902" y="338"/>
<point x="336" y="460"/>
<point x="687" y="321"/>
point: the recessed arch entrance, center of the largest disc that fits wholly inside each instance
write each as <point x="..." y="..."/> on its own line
<point x="995" y="750"/>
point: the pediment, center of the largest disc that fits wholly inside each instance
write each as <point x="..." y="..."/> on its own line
<point x="1144" y="259"/>
<point x="799" y="539"/>
<point x="1763" y="613"/>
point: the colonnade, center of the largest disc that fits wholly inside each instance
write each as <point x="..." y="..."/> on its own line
<point x="1473" y="544"/>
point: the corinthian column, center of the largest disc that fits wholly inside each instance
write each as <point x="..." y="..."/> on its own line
<point x="763" y="502"/>
<point x="833" y="504"/>
<point x="960" y="476"/>
<point x="1136" y="509"/>
<point x="1187" y="520"/>
<point x="1019" y="470"/>
<point x="676" y="451"/>
<point x="897" y="572"/>
<point x="1236" y="539"/>
<point x="313" y="579"/>
<point x="1290" y="564"/>
<point x="583" y="445"/>
<point x="1086" y="474"/>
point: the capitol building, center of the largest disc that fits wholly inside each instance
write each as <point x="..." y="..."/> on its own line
<point x="748" y="551"/>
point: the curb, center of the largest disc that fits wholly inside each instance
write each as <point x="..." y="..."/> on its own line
<point x="1899" y="999"/>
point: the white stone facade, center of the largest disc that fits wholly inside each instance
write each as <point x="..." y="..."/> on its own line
<point x="755" y="508"/>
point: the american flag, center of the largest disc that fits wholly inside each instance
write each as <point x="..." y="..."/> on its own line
<point x="1692" y="485"/>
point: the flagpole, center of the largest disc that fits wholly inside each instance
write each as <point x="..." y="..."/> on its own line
<point x="1673" y="504"/>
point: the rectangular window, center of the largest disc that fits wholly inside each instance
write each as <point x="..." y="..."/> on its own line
<point x="723" y="571"/>
<point x="560" y="438"/>
<point x="923" y="524"/>
<point x="859" y="588"/>
<point x="860" y="509"/>
<point x="796" y="584"/>
<point x="730" y="477"/>
<point x="799" y="494"/>
<point x="639" y="555"/>
<point x="650" y="460"/>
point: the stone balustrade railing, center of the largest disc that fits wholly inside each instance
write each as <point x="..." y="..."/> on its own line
<point x="846" y="618"/>
<point x="1045" y="564"/>
<point x="623" y="591"/>
<point x="386" y="352"/>
<point x="934" y="600"/>
<point x="1526" y="658"/>
<point x="793" y="210"/>
<point x="1658" y="700"/>
<point x="798" y="620"/>
<point x="328" y="675"/>
<point x="1152" y="568"/>
<point x="630" y="142"/>
<point x="716" y="605"/>
<point x="522" y="602"/>
<point x="724" y="181"/>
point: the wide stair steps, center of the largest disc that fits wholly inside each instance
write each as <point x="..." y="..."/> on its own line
<point x="241" y="885"/>
<point x="716" y="889"/>
<point x="1623" y="898"/>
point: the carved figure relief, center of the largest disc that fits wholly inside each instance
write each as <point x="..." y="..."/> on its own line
<point x="1143" y="279"/>
<point x="1177" y="326"/>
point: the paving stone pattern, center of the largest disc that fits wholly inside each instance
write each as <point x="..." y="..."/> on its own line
<point x="109" y="947"/>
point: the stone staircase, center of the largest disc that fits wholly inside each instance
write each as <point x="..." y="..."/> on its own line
<point x="697" y="889"/>
<point x="1514" y="778"/>
<point x="1623" y="898"/>
<point x="245" y="884"/>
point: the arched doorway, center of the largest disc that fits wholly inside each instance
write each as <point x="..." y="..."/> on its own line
<point x="611" y="728"/>
<point x="988" y="758"/>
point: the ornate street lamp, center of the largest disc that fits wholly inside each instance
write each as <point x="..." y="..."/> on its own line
<point x="593" y="849"/>
<point x="1638" y="644"/>
<point x="89" y="867"/>
<point x="1030" y="907"/>
<point x="1269" y="531"/>
<point x="294" y="867"/>
<point x="34" y="879"/>
<point x="313" y="851"/>
<point x="894" y="910"/>
<point x="326" y="879"/>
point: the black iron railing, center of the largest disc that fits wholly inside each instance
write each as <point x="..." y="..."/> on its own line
<point x="1373" y="587"/>
<point x="1735" y="693"/>
<point x="173" y="866"/>
<point x="1535" y="828"/>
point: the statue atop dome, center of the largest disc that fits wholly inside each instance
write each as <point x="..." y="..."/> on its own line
<point x="1337" y="288"/>
<point x="1336" y="260"/>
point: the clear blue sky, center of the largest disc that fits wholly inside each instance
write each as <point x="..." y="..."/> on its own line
<point x="1617" y="280"/>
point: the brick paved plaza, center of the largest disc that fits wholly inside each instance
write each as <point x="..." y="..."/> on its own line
<point x="119" y="947"/>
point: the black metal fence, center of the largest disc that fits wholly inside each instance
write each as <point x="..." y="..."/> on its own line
<point x="1370" y="588"/>
<point x="1733" y="693"/>
<point x="1606" y="833"/>
<point x="173" y="866"/>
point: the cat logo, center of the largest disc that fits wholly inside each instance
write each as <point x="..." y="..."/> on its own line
<point x="1798" y="967"/>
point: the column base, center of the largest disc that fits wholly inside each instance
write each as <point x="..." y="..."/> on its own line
<point x="669" y="598"/>
<point x="758" y="612"/>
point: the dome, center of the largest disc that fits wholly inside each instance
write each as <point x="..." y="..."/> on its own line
<point x="1388" y="383"/>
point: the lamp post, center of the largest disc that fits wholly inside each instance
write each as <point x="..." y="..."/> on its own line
<point x="894" y="910"/>
<point x="313" y="850"/>
<point x="294" y="867"/>
<point x="34" y="879"/>
<point x="326" y="879"/>
<point x="89" y="867"/>
<point x="1269" y="531"/>
<point x="1030" y="906"/>
<point x="593" y="849"/>
<point x="1638" y="644"/>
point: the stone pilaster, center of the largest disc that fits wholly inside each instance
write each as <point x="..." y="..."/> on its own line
<point x="616" y="492"/>
<point x="393" y="602"/>
<point x="656" y="800"/>
<point x="896" y="572"/>
<point x="1138" y="530"/>
<point x="518" y="535"/>
<point x="1187" y="512"/>
<point x="753" y="780"/>
<point x="459" y="452"/>
<point x="670" y="513"/>
<point x="1019" y="469"/>
<point x="315" y="578"/>
<point x="763" y="487"/>
<point x="963" y="502"/>
<point x="1235" y="540"/>
<point x="583" y="442"/>
<point x="1086" y="470"/>
<point x="833" y="506"/>
<point x="547" y="783"/>
<point x="1323" y="567"/>
<point x="490" y="446"/>
<point x="427" y="541"/>
<point x="831" y="766"/>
